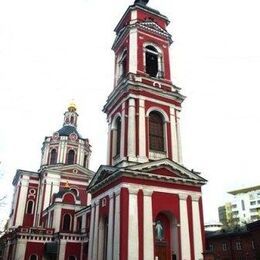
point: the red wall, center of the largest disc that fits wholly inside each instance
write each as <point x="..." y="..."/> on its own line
<point x="34" y="249"/>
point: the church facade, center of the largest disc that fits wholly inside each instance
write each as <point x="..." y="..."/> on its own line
<point x="144" y="203"/>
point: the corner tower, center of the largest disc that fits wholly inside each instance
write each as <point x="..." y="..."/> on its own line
<point x="143" y="108"/>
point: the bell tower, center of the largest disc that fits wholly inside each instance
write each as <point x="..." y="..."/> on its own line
<point x="143" y="108"/>
<point x="145" y="204"/>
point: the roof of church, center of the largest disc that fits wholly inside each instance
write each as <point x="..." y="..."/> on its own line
<point x="67" y="130"/>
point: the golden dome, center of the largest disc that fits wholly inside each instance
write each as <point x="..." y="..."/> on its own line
<point x="72" y="107"/>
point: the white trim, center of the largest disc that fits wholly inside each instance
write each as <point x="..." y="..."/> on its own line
<point x="131" y="147"/>
<point x="91" y="233"/>
<point x="158" y="109"/>
<point x="133" y="42"/>
<point x="95" y="242"/>
<point x="175" y="152"/>
<point x="142" y="130"/>
<point x="116" y="242"/>
<point x="198" y="248"/>
<point x="122" y="141"/>
<point x="110" y="229"/>
<point x="148" y="226"/>
<point x="184" y="224"/>
<point x="133" y="238"/>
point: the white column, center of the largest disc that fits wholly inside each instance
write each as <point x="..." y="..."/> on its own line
<point x="109" y="142"/>
<point x="133" y="237"/>
<point x="95" y="240"/>
<point x="116" y="243"/>
<point x="57" y="218"/>
<point x="133" y="51"/>
<point x="197" y="237"/>
<point x="20" y="249"/>
<point x="142" y="132"/>
<point x="91" y="232"/>
<point x="122" y="141"/>
<point x="131" y="130"/>
<point x="179" y="137"/>
<point x="148" y="226"/>
<point x="175" y="153"/>
<point x="184" y="223"/>
<point x="62" y="250"/>
<point x="22" y="201"/>
<point x="110" y="228"/>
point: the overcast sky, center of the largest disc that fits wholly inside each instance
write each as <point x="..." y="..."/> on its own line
<point x="53" y="51"/>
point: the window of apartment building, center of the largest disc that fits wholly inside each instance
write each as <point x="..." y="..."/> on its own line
<point x="253" y="203"/>
<point x="234" y="206"/>
<point x="243" y="205"/>
<point x="238" y="245"/>
<point x="258" y="202"/>
<point x="211" y="248"/>
<point x="224" y="246"/>
<point x="252" y="196"/>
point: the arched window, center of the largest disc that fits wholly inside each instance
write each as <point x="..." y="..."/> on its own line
<point x="74" y="191"/>
<point x="156" y="131"/>
<point x="118" y="136"/>
<point x="72" y="120"/>
<point x="71" y="157"/>
<point x="33" y="257"/>
<point x="85" y="161"/>
<point x="30" y="206"/>
<point x="66" y="222"/>
<point x="123" y="65"/>
<point x="53" y="159"/>
<point x="153" y="62"/>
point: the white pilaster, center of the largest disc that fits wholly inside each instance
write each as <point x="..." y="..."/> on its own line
<point x="197" y="237"/>
<point x="179" y="137"/>
<point x="22" y="201"/>
<point x="184" y="223"/>
<point x="95" y="240"/>
<point x="110" y="228"/>
<point x="122" y="141"/>
<point x="142" y="132"/>
<point x="57" y="218"/>
<point x="175" y="153"/>
<point x="133" y="238"/>
<point x="116" y="248"/>
<point x="148" y="226"/>
<point x="91" y="233"/>
<point x="133" y="50"/>
<point x="109" y="143"/>
<point x="20" y="249"/>
<point x="62" y="250"/>
<point x="131" y="130"/>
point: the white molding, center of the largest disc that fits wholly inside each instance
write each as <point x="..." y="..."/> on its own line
<point x="133" y="42"/>
<point x="197" y="237"/>
<point x="148" y="226"/>
<point x="184" y="224"/>
<point x="131" y="146"/>
<point x="133" y="230"/>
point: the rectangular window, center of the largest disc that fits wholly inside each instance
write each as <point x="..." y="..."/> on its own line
<point x="238" y="245"/>
<point x="211" y="248"/>
<point x="243" y="204"/>
<point x="224" y="246"/>
<point x="234" y="206"/>
<point x="253" y="203"/>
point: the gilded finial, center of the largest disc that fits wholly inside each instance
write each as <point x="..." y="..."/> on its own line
<point x="72" y="107"/>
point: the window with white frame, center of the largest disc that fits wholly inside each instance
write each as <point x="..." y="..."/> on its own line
<point x="153" y="61"/>
<point x="238" y="245"/>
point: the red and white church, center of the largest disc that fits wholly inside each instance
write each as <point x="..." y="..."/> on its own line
<point x="144" y="204"/>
